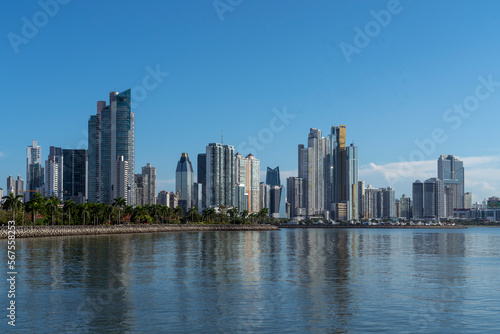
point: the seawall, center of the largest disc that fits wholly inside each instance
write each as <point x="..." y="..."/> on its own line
<point x="50" y="231"/>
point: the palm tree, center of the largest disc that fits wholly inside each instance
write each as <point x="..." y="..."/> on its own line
<point x="53" y="207"/>
<point x="108" y="209"/>
<point x="12" y="202"/>
<point x="163" y="211"/>
<point x="129" y="210"/>
<point x="191" y="212"/>
<point x="84" y="211"/>
<point x="119" y="202"/>
<point x="34" y="205"/>
<point x="178" y="213"/>
<point x="244" y="215"/>
<point x="263" y="214"/>
<point x="69" y="206"/>
<point x="208" y="213"/>
<point x="233" y="212"/>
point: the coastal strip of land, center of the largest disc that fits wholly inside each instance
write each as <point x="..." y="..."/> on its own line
<point x="51" y="231"/>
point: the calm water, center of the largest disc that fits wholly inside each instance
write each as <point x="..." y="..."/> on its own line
<point x="288" y="281"/>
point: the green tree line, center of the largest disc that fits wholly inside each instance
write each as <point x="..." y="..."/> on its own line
<point x="40" y="210"/>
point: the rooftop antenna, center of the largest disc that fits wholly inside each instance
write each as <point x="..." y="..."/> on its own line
<point x="222" y="137"/>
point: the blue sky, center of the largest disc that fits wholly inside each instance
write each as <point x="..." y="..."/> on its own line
<point x="234" y="74"/>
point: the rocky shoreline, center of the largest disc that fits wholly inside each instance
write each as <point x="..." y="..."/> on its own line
<point x="51" y="231"/>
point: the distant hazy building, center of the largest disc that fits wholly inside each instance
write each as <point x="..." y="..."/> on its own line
<point x="398" y="208"/>
<point x="1" y="195"/>
<point x="75" y="171"/>
<point x="468" y="200"/>
<point x="34" y="170"/>
<point x="294" y="198"/>
<point x="111" y="135"/>
<point x="379" y="203"/>
<point x="220" y="175"/>
<point x="451" y="173"/>
<point x="184" y="180"/>
<point x="15" y="187"/>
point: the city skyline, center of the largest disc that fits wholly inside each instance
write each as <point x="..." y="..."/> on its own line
<point x="219" y="73"/>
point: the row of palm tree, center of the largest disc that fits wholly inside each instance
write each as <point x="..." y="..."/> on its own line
<point x="51" y="211"/>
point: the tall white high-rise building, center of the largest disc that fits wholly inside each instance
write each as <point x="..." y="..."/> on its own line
<point x="54" y="173"/>
<point x="120" y="185"/>
<point x="34" y="170"/>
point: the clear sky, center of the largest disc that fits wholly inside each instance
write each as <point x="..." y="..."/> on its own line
<point x="392" y="72"/>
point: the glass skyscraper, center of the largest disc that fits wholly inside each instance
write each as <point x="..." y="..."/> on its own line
<point x="451" y="172"/>
<point x="111" y="135"/>
<point x="184" y="180"/>
<point x="220" y="175"/>
<point x="75" y="172"/>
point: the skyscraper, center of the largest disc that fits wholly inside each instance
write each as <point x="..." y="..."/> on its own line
<point x="405" y="207"/>
<point x="264" y="196"/>
<point x="273" y="179"/>
<point x="111" y="135"/>
<point x="451" y="172"/>
<point x="184" y="180"/>
<point x="341" y="170"/>
<point x="149" y="179"/>
<point x="75" y="170"/>
<point x="54" y="174"/>
<point x="202" y="177"/>
<point x="247" y="172"/>
<point x="121" y="180"/>
<point x="34" y="169"/>
<point x="468" y="200"/>
<point x="433" y="198"/>
<point x="273" y="176"/>
<point x="389" y="203"/>
<point x="418" y="199"/>
<point x="294" y="198"/>
<point x="220" y="175"/>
